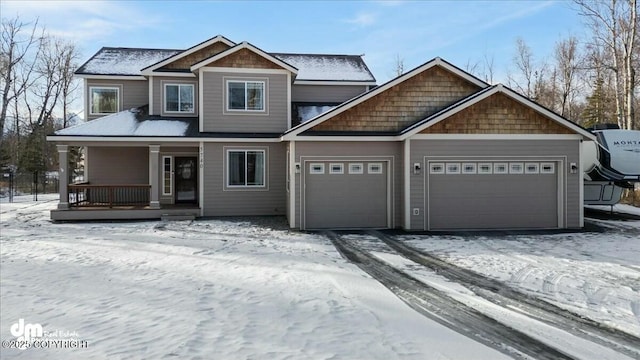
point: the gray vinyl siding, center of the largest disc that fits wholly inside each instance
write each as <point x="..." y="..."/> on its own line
<point x="133" y="93"/>
<point x="221" y="201"/>
<point x="325" y="93"/>
<point x="216" y="119"/>
<point x="497" y="149"/>
<point x="353" y="150"/>
<point x="117" y="165"/>
<point x="158" y="94"/>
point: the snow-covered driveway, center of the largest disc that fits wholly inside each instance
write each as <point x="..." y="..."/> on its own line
<point x="213" y="289"/>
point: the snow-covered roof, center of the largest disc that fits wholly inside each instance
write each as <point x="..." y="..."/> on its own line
<point x="318" y="67"/>
<point x="123" y="61"/>
<point x="308" y="112"/>
<point x="126" y="123"/>
<point x="117" y="61"/>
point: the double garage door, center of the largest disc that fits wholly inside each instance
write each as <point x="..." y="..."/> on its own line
<point x="491" y="194"/>
<point x="346" y="194"/>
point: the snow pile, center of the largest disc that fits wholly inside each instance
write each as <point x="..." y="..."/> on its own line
<point x="124" y="123"/>
<point x="192" y="289"/>
<point x="328" y="67"/>
<point x="124" y="61"/>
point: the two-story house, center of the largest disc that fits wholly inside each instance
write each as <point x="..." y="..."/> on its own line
<point x="226" y="129"/>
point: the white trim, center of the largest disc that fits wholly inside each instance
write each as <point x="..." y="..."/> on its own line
<point x="485" y="164"/>
<point x="244" y="45"/>
<point x="535" y="168"/>
<point x="451" y="168"/>
<point x="117" y="87"/>
<point x="244" y="70"/>
<point x="549" y="163"/>
<point x="171" y="172"/>
<point x="201" y="177"/>
<point x="334" y="82"/>
<point x="292" y="184"/>
<point x="463" y="104"/>
<point x="169" y="74"/>
<point x="516" y="168"/>
<point x="288" y="100"/>
<point x="581" y="187"/>
<point x="382" y="88"/>
<point x="407" y="184"/>
<point x="110" y="77"/>
<point x="178" y="84"/>
<point x="200" y="101"/>
<point x="500" y="164"/>
<point x="265" y="174"/>
<point x="472" y="165"/>
<point x="496" y="137"/>
<point x="189" y="51"/>
<point x="340" y="138"/>
<point x="150" y="95"/>
<point x="92" y="139"/>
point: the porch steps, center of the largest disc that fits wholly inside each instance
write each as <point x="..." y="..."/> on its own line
<point x="177" y="217"/>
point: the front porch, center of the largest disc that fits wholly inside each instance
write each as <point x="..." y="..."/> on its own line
<point x="131" y="182"/>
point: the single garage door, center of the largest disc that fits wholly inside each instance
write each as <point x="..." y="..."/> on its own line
<point x="492" y="195"/>
<point x="346" y="194"/>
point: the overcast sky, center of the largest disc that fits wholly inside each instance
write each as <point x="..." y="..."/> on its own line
<point x="461" y="32"/>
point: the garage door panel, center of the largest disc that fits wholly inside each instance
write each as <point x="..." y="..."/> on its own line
<point x="345" y="200"/>
<point x="483" y="201"/>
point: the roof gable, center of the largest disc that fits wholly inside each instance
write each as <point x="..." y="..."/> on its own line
<point x="495" y="110"/>
<point x="400" y="102"/>
<point x="244" y="55"/>
<point x="186" y="58"/>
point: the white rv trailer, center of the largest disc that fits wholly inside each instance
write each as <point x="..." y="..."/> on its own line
<point x="610" y="165"/>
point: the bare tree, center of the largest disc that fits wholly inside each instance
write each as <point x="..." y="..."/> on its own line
<point x="524" y="62"/>
<point x="398" y="65"/>
<point x="567" y="65"/>
<point x="69" y="56"/>
<point x="16" y="66"/>
<point x="614" y="24"/>
<point x="488" y="67"/>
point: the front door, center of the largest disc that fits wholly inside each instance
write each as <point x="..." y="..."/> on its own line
<point x="186" y="180"/>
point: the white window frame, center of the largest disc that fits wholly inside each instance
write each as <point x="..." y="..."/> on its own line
<point x="473" y="167"/>
<point x="433" y="168"/>
<point x="91" y="88"/>
<point x="371" y="168"/>
<point x="550" y="165"/>
<point x="247" y="186"/>
<point x="193" y="96"/>
<point x="535" y="170"/>
<point x="497" y="165"/>
<point x="487" y="165"/>
<point x="316" y="168"/>
<point x="339" y="168"/>
<point x="245" y="81"/>
<point x="356" y="168"/>
<point x="164" y="175"/>
<point x="513" y="168"/>
<point x="452" y="168"/>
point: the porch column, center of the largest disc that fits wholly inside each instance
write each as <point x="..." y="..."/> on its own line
<point x="154" y="160"/>
<point x="63" y="176"/>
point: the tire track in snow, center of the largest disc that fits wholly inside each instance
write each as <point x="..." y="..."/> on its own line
<point x="501" y="294"/>
<point x="445" y="310"/>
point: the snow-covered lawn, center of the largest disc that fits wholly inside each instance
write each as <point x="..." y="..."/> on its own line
<point x="208" y="289"/>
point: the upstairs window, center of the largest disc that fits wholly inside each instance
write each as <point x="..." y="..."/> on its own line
<point x="245" y="95"/>
<point x="104" y="100"/>
<point x="178" y="98"/>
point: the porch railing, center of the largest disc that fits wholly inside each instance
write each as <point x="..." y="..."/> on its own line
<point x="86" y="194"/>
